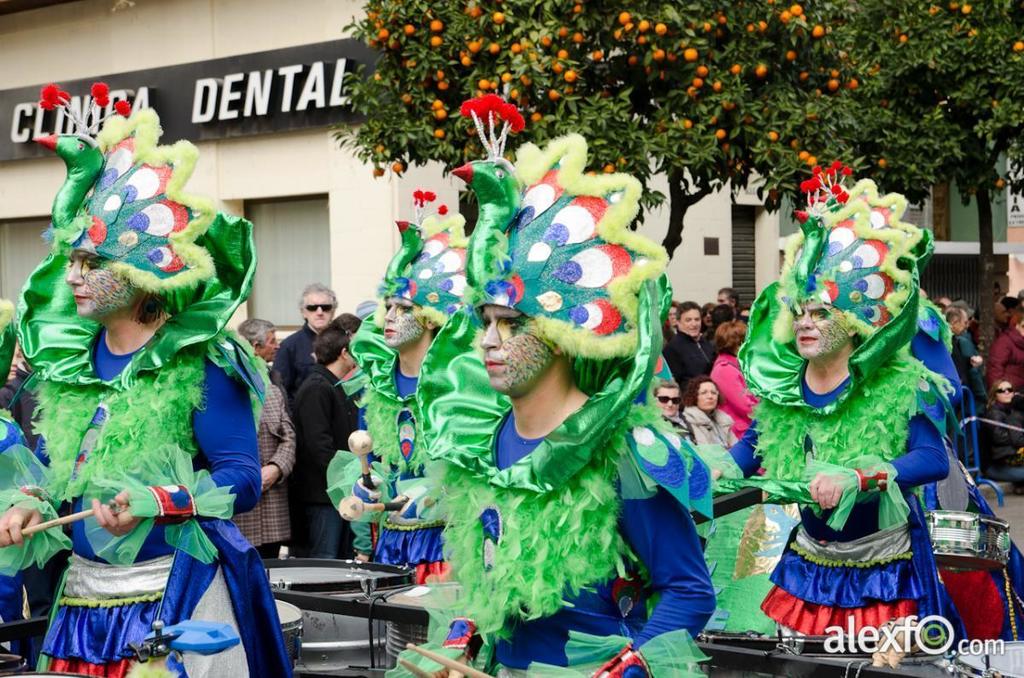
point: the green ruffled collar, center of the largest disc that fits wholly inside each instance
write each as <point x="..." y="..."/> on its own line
<point x="58" y="344"/>
<point x="461" y="414"/>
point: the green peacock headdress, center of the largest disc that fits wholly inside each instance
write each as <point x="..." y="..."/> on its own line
<point x="853" y="253"/>
<point x="563" y="253"/>
<point x="429" y="268"/>
<point x="127" y="203"/>
<point x="7" y="338"/>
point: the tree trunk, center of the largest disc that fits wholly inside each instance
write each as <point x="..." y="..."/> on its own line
<point x="679" y="201"/>
<point x="985" y="301"/>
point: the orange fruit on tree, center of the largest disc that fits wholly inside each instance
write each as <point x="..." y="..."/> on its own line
<point x="609" y="168"/>
<point x="633" y="60"/>
<point x="818" y="31"/>
<point x="437" y="104"/>
<point x="690" y="54"/>
<point x="466" y="61"/>
<point x="408" y="29"/>
<point x="557" y="67"/>
<point x="791" y="55"/>
<point x="803" y="155"/>
<point x="545" y="41"/>
<point x="722" y="20"/>
<point x="644" y="26"/>
<point x="617" y="34"/>
<point x="443" y="85"/>
<point x="563" y="32"/>
<point x="833" y="85"/>
<point x="736" y="69"/>
<point x="761" y="70"/>
<point x="904" y="37"/>
<point x="475" y="46"/>
<point x="811" y="160"/>
<point x="785" y="17"/>
<point x="794" y="144"/>
<point x="436" y="41"/>
<point x="563" y="54"/>
<point x="702" y="71"/>
<point x="515" y="48"/>
<point x="965" y="9"/>
<point x="513" y="94"/>
<point x="439" y="75"/>
<point x="853" y="83"/>
<point x="383" y="34"/>
<point x="728" y="105"/>
<point x="597" y="55"/>
<point x="720" y="133"/>
<point x="439" y="133"/>
<point x="525" y="79"/>
<point x="708" y="26"/>
<point x="494" y="48"/>
<point x="570" y="76"/>
<point x="536" y="117"/>
<point x="834" y="73"/>
<point x="577" y="37"/>
<point x="773" y="136"/>
<point x="698" y="83"/>
<point x="796" y="10"/>
<point x="717" y="85"/>
<point x="577" y="9"/>
<point x="1018" y="46"/>
<point x="883" y="163"/>
<point x="660" y="29"/>
<point x="407" y="98"/>
<point x="624" y="18"/>
<point x="436" y="26"/>
<point x="475" y="11"/>
<point x="751" y="28"/>
<point x="762" y="26"/>
<point x="687" y="123"/>
<point x="691" y="92"/>
<point x="484" y="84"/>
<point x="714" y="120"/>
<point x="641" y="40"/>
<point x="658" y="55"/>
<point x="498" y="18"/>
<point x="506" y="76"/>
<point x="1000" y="183"/>
<point x="397" y="168"/>
<point x="378" y="171"/>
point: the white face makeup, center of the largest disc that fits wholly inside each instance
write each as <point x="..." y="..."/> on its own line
<point x="98" y="291"/>
<point x="515" y="358"/>
<point x="820" y="331"/>
<point x="401" y="327"/>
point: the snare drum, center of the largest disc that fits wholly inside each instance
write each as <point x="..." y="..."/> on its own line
<point x="291" y="628"/>
<point x="969" y="541"/>
<point x="1009" y="664"/>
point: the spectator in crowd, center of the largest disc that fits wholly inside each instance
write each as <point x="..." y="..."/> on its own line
<point x="729" y="297"/>
<point x="668" y="330"/>
<point x="324" y="419"/>
<point x="737" y="402"/>
<point x="23" y="409"/>
<point x="1001" y="312"/>
<point x="346" y="322"/>
<point x="666" y="394"/>
<point x="268" y="526"/>
<point x="295" y="357"/>
<point x="1006" y="358"/>
<point x="965" y="354"/>
<point x="722" y="313"/>
<point x="689" y="353"/>
<point x="1006" y="451"/>
<point x="705" y="316"/>
<point x="262" y="334"/>
<point x="744" y="315"/>
<point x="710" y="425"/>
<point x="943" y="302"/>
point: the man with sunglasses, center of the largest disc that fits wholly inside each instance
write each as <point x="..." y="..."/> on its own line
<point x="295" y="354"/>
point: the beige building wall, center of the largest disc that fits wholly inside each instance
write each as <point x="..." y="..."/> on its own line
<point x="87" y="39"/>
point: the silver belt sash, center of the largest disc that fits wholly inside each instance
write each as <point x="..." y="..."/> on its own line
<point x="102" y="581"/>
<point x="882" y="545"/>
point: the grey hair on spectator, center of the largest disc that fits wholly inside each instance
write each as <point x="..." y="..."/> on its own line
<point x="317" y="288"/>
<point x="955" y="312"/>
<point x="666" y="383"/>
<point x="255" y="330"/>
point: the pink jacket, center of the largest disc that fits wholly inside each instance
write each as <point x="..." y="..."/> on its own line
<point x="735" y="398"/>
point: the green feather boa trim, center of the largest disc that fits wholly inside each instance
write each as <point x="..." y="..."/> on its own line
<point x="156" y="410"/>
<point x="552" y="545"/>
<point x="381" y="413"/>
<point x="874" y="422"/>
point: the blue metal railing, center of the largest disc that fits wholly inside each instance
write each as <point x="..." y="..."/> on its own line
<point x="966" y="443"/>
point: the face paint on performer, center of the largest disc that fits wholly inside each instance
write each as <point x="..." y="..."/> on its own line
<point x="99" y="292"/>
<point x="820" y="331"/>
<point x="401" y="327"/>
<point x="514" y="356"/>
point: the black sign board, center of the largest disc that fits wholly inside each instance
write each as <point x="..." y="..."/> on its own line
<point x="260" y="93"/>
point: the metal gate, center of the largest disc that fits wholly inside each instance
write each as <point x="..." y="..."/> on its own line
<point x="954" y="276"/>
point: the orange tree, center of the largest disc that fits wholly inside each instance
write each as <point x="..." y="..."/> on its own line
<point x="942" y="99"/>
<point x="704" y="92"/>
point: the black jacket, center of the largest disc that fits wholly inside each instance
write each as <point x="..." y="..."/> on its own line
<point x="688" y="357"/>
<point x="294" y="360"/>
<point x="324" y="418"/>
<point x="24" y="409"/>
<point x="1005" y="442"/>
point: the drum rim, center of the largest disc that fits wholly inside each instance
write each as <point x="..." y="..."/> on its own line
<point x="388" y="576"/>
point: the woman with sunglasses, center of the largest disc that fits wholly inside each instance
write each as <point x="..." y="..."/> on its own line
<point x="666" y="394"/>
<point x="1007" y="444"/>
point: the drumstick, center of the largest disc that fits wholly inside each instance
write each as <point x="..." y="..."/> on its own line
<point x="451" y="664"/>
<point x="361" y="444"/>
<point x="414" y="670"/>
<point x="63" y="520"/>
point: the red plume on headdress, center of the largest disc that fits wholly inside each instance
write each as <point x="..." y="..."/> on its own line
<point x="100" y="93"/>
<point x="123" y="108"/>
<point x="52" y="96"/>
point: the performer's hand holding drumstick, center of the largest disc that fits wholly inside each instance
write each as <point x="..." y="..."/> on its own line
<point x="13" y="521"/>
<point x="116" y="517"/>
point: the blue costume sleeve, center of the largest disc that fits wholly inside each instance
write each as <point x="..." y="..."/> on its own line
<point x="665" y="539"/>
<point x="226" y="435"/>
<point x="744" y="452"/>
<point x="926" y="460"/>
<point x="937" y="358"/>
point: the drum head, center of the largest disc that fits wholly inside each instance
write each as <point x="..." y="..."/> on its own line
<point x="1009" y="664"/>
<point x="287" y="613"/>
<point x="334" y="576"/>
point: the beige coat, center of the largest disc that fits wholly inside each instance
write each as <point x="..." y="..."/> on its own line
<point x="713" y="430"/>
